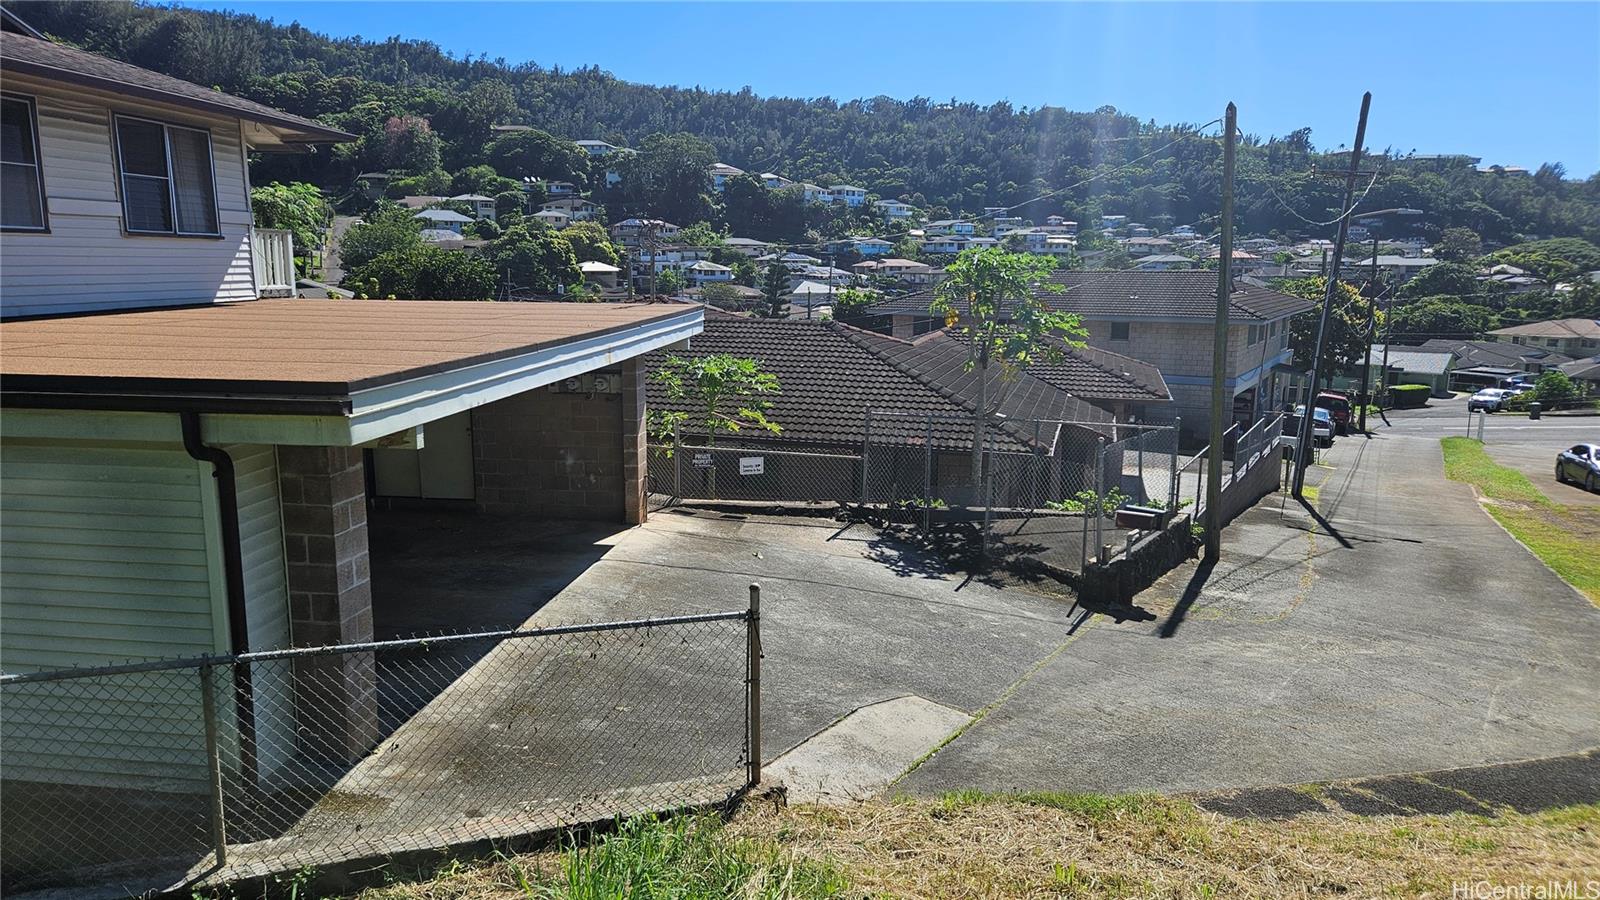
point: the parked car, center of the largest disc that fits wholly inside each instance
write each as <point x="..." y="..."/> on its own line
<point x="1579" y="464"/>
<point x="1338" y="405"/>
<point x="1491" y="399"/>
<point x="1321" y="425"/>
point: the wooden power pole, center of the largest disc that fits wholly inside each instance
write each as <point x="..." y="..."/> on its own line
<point x="1219" y="349"/>
<point x="1302" y="450"/>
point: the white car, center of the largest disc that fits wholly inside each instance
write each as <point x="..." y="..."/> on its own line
<point x="1491" y="399"/>
<point x="1321" y="426"/>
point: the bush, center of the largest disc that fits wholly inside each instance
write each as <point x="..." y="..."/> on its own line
<point x="1409" y="396"/>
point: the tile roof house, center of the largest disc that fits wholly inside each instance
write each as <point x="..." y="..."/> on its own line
<point x="833" y="378"/>
<point x="1165" y="319"/>
<point x="190" y="469"/>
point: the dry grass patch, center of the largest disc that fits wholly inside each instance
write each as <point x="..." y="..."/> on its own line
<point x="972" y="845"/>
<point x="1042" y="846"/>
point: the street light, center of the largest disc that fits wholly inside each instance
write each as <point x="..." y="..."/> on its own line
<point x="1372" y="315"/>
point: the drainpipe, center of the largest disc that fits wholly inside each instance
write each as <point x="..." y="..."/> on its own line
<point x="233" y="578"/>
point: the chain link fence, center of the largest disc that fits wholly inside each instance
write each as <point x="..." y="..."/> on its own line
<point x="750" y="473"/>
<point x="162" y="774"/>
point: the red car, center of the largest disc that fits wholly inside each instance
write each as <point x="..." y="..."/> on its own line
<point x="1338" y="406"/>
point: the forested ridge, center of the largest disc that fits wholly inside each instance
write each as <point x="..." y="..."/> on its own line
<point x="943" y="156"/>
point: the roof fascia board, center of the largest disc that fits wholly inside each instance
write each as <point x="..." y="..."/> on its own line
<point x="312" y="134"/>
<point x="389" y="408"/>
<point x="164" y="427"/>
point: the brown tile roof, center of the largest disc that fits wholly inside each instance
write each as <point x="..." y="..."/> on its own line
<point x="32" y="56"/>
<point x="323" y="348"/>
<point x="831" y="375"/>
<point x="1136" y="293"/>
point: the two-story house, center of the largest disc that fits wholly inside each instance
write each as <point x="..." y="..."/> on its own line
<point x="951" y="226"/>
<point x="848" y="194"/>
<point x="634" y="233"/>
<point x="1576" y="338"/>
<point x="190" y="469"/>
<point x="894" y="209"/>
<point x="1165" y="319"/>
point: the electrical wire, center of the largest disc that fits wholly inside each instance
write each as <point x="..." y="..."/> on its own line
<point x="1336" y="219"/>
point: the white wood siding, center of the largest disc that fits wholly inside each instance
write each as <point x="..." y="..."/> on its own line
<point x="86" y="261"/>
<point x="105" y="556"/>
<point x="266" y="590"/>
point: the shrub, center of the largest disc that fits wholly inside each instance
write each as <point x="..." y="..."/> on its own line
<point x="1409" y="396"/>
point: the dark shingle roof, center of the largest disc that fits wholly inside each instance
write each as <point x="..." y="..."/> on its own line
<point x="1494" y="353"/>
<point x="31" y="56"/>
<point x="832" y="375"/>
<point x="1134" y="293"/>
<point x="1098" y="374"/>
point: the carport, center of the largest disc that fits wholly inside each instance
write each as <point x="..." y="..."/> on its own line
<point x="263" y="434"/>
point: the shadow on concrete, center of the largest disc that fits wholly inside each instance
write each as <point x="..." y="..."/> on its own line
<point x="1191" y="593"/>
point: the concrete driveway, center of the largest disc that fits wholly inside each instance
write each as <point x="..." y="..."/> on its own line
<point x="1406" y="632"/>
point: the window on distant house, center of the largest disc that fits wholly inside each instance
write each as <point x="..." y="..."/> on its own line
<point x="22" y="191"/>
<point x="167" y="181"/>
<point x="1119" y="331"/>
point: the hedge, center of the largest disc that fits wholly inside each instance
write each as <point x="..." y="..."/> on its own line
<point x="1409" y="396"/>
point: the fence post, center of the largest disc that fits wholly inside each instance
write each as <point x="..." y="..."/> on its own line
<point x="1172" y="473"/>
<point x="1100" y="499"/>
<point x="208" y="709"/>
<point x="753" y="711"/>
<point x="677" y="464"/>
<point x="866" y="443"/>
<point x="986" y="484"/>
<point x="927" y="478"/>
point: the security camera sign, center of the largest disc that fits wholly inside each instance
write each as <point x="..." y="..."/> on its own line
<point x="752" y="465"/>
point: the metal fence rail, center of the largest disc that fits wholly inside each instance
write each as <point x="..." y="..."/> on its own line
<point x="160" y="774"/>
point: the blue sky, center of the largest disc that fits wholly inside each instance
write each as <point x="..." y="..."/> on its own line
<point x="1515" y="83"/>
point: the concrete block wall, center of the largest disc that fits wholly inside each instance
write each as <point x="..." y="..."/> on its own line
<point x="324" y="502"/>
<point x="570" y="455"/>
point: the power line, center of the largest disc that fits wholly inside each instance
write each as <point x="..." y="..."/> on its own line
<point x="1336" y="219"/>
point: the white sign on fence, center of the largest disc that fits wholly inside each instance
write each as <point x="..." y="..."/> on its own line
<point x="703" y="461"/>
<point x="752" y="465"/>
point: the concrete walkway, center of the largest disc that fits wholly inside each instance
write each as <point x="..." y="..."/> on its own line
<point x="1406" y="632"/>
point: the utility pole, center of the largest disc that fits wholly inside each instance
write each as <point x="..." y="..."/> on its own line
<point x="1372" y="323"/>
<point x="650" y="245"/>
<point x="1219" y="348"/>
<point x="1303" y="446"/>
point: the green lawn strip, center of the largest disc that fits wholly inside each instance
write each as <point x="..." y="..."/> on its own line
<point x="1558" y="535"/>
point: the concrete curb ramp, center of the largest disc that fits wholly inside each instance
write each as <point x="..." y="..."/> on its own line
<point x="856" y="757"/>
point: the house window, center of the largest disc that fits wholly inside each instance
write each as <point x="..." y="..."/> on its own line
<point x="167" y="181"/>
<point x="22" y="192"/>
<point x="1119" y="331"/>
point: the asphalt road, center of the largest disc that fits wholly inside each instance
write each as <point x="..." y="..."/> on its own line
<point x="1515" y="441"/>
<point x="1408" y="633"/>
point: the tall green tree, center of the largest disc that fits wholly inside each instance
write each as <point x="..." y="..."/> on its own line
<point x="995" y="299"/>
<point x="387" y="228"/>
<point x="670" y="177"/>
<point x="774" y="284"/>
<point x="535" y="261"/>
<point x="537" y="154"/>
<point x="1437" y="317"/>
<point x="1458" y="245"/>
<point x="298" y="207"/>
<point x="410" y="145"/>
<point x="424" y="273"/>
<point x="591" y="243"/>
<point x="1346" y="342"/>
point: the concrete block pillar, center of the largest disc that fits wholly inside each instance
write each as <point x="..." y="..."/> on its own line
<point x="634" y="437"/>
<point x="324" y="497"/>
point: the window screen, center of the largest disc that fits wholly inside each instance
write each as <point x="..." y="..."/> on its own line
<point x="22" y="190"/>
<point x="1119" y="331"/>
<point x="167" y="186"/>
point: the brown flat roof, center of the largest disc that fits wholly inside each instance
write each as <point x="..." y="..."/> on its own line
<point x="297" y="347"/>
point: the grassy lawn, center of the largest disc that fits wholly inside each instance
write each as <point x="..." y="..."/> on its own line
<point x="1562" y="536"/>
<point x="1038" y="845"/>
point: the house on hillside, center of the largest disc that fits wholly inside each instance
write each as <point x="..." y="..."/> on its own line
<point x="1480" y="364"/>
<point x="482" y="207"/>
<point x="1399" y="269"/>
<point x="894" y="209"/>
<point x="190" y="469"/>
<point x="720" y="173"/>
<point x="1163" y="262"/>
<point x="831" y="379"/>
<point x="632" y="233"/>
<point x="1412" y="365"/>
<point x="576" y="207"/>
<point x="848" y="194"/>
<point x="747" y="246"/>
<point x="1569" y="337"/>
<point x="774" y="181"/>
<point x="1165" y="319"/>
<point x="443" y="219"/>
<point x="950" y="227"/>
